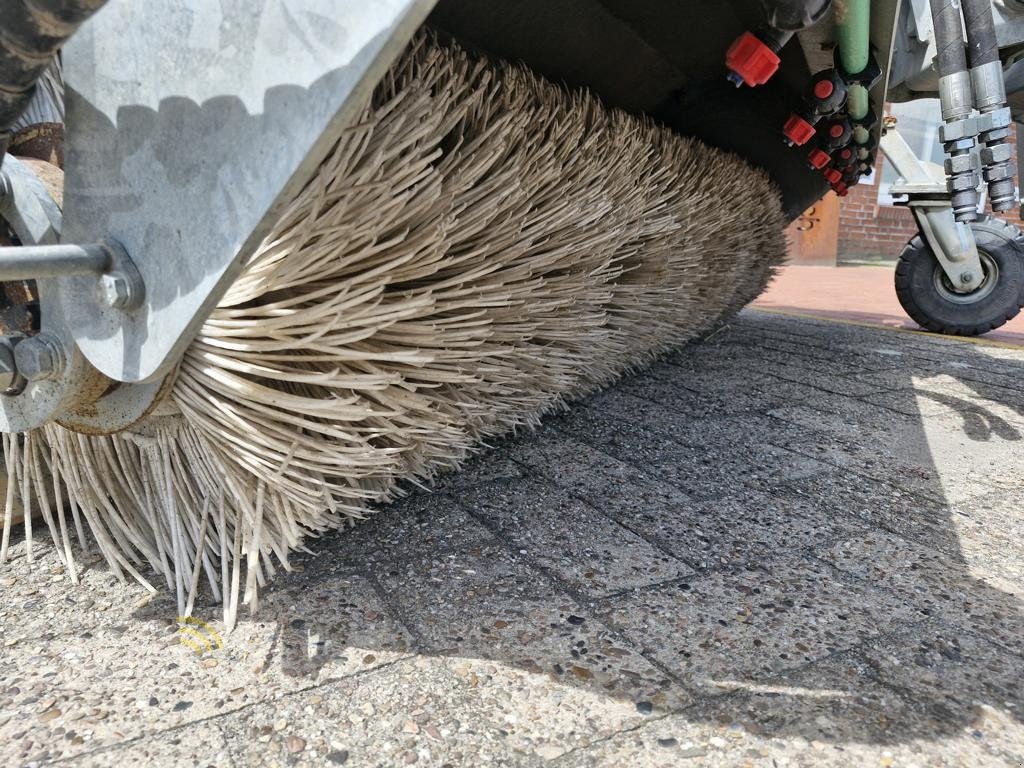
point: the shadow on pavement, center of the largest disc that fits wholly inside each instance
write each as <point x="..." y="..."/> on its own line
<point x="739" y="539"/>
<point x="798" y="536"/>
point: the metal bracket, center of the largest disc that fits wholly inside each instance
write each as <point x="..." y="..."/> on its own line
<point x="924" y="184"/>
<point x="188" y="137"/>
<point x="67" y="390"/>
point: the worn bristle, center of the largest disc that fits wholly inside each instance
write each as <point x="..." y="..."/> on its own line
<point x="479" y="248"/>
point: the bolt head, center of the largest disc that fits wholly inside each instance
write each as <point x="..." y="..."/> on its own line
<point x="39" y="358"/>
<point x="966" y="277"/>
<point x="115" y="291"/>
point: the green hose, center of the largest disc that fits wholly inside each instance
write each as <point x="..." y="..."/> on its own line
<point x="853" y="26"/>
<point x="857" y="102"/>
<point x="853" y="23"/>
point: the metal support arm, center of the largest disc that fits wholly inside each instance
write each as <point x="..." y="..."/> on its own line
<point x="924" y="184"/>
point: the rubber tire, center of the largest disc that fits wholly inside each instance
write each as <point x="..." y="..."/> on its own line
<point x="916" y="291"/>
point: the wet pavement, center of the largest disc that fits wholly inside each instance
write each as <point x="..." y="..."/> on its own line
<point x="798" y="544"/>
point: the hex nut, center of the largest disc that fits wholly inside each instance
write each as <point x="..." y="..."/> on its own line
<point x="997" y="134"/>
<point x="996" y="153"/>
<point x="962" y="183"/>
<point x="959" y="130"/>
<point x="39" y="357"/>
<point x="997" y="118"/>
<point x="960" y="163"/>
<point x="998" y="173"/>
<point x="115" y="290"/>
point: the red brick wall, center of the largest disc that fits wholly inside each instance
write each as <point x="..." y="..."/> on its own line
<point x="870" y="230"/>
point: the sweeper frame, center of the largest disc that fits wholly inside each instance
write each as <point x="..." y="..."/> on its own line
<point x="186" y="135"/>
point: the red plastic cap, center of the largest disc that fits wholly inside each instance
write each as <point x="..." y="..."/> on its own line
<point x="832" y="176"/>
<point x="798" y="130"/>
<point x="751" y="59"/>
<point x="818" y="159"/>
<point x="840" y="189"/>
<point x="846" y="154"/>
<point x="823" y="89"/>
<point x="836" y="131"/>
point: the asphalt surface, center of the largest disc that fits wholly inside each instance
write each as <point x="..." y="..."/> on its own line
<point x="798" y="544"/>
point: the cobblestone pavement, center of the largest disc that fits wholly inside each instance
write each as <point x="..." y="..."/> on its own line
<point x="799" y="543"/>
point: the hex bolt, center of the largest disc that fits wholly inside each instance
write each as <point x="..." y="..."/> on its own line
<point x="115" y="290"/>
<point x="966" y="277"/>
<point x="40" y="357"/>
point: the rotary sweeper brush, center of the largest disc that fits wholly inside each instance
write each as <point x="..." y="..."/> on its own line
<point x="310" y="253"/>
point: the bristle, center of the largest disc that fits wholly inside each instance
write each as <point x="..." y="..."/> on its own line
<point x="478" y="249"/>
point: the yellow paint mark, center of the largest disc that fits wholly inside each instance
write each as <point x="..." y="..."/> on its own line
<point x="198" y="635"/>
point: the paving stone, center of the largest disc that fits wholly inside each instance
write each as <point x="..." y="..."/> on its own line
<point x="669" y="386"/>
<point x="936" y="584"/>
<point x="934" y="457"/>
<point x="410" y="528"/>
<point x="586" y="549"/>
<point x="700" y="470"/>
<point x="977" y="370"/>
<point x="882" y="505"/>
<point x="199" y="744"/>
<point x="418" y="707"/>
<point x="980" y="410"/>
<point x="829" y="714"/>
<point x="131" y="674"/>
<point x="960" y="677"/>
<point x="725" y="628"/>
<point x="990" y="533"/>
<point x="593" y="475"/>
<point x="487" y="603"/>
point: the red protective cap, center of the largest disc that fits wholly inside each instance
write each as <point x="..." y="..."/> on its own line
<point x="823" y="89"/>
<point x="832" y="176"/>
<point x="818" y="159"/>
<point x="751" y="59"/>
<point x="840" y="189"/>
<point x="846" y="154"/>
<point x="836" y="131"/>
<point x="798" y="130"/>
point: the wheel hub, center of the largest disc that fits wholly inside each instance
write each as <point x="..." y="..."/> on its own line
<point x="944" y="286"/>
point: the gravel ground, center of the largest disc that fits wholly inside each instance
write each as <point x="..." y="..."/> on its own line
<point x="797" y="544"/>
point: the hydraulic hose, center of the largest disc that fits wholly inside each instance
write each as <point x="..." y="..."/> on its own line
<point x="853" y="29"/>
<point x="950" y="55"/>
<point x="989" y="92"/>
<point x="956" y="97"/>
<point x="982" y="47"/>
<point x="31" y="33"/>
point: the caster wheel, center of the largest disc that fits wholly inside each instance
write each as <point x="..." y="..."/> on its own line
<point x="928" y="295"/>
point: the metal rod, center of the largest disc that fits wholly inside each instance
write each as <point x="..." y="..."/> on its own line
<point x="29" y="262"/>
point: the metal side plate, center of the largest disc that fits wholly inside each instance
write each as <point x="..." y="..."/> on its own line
<point x="189" y="126"/>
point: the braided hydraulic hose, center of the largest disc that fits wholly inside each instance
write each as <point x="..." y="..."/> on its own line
<point x="990" y="99"/>
<point x="958" y="134"/>
<point x="31" y="33"/>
